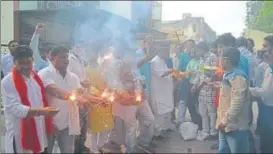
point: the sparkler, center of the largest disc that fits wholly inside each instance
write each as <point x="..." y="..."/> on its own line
<point x="108" y="94"/>
<point x="72" y="97"/>
<point x="104" y="94"/>
<point x="138" y="98"/>
<point x="111" y="98"/>
<point x="108" y="56"/>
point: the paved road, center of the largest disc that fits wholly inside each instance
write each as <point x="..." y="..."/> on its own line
<point x="172" y="144"/>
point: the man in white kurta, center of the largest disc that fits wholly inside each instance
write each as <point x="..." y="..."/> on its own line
<point x="77" y="66"/>
<point x="66" y="122"/>
<point x="15" y="110"/>
<point x="161" y="92"/>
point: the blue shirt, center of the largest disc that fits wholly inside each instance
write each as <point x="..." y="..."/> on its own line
<point x="170" y="63"/>
<point x="185" y="58"/>
<point x="244" y="65"/>
<point x="232" y="74"/>
<point x="7" y="63"/>
<point x="145" y="70"/>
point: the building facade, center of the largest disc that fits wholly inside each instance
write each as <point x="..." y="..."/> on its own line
<point x="189" y="28"/>
<point x="7" y="22"/>
<point x="68" y="17"/>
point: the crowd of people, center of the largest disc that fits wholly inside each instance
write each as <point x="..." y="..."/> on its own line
<point x="60" y="95"/>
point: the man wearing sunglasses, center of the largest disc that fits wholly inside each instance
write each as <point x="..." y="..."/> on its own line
<point x="7" y="60"/>
<point x="266" y="116"/>
<point x="233" y="117"/>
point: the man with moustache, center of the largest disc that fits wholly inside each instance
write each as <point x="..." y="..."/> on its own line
<point x="60" y="84"/>
<point x="265" y="91"/>
<point x="26" y="108"/>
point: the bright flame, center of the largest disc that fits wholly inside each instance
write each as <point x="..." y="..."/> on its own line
<point x="108" y="56"/>
<point x="112" y="98"/>
<point x="104" y="94"/>
<point x="72" y="97"/>
<point x="138" y="98"/>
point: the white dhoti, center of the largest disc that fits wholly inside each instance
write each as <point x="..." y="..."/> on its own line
<point x="161" y="95"/>
<point x="126" y="124"/>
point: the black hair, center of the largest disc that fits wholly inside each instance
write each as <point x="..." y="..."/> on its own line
<point x="12" y="41"/>
<point x="58" y="49"/>
<point x="261" y="53"/>
<point x="202" y="45"/>
<point x="22" y="51"/>
<point x="227" y="40"/>
<point x="241" y="42"/>
<point x="269" y="39"/>
<point x="214" y="44"/>
<point x="233" y="55"/>
<point x="251" y="41"/>
<point x="190" y="40"/>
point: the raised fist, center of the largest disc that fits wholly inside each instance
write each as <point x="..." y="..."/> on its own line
<point x="39" y="28"/>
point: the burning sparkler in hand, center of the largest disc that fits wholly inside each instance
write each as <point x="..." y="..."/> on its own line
<point x="72" y="97"/>
<point x="108" y="56"/>
<point x="138" y="98"/>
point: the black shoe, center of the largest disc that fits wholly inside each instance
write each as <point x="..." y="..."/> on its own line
<point x="214" y="146"/>
<point x="213" y="137"/>
<point x="86" y="150"/>
<point x="160" y="137"/>
<point x="104" y="150"/>
<point x="142" y="149"/>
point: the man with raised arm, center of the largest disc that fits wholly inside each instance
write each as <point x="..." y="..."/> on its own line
<point x="39" y="62"/>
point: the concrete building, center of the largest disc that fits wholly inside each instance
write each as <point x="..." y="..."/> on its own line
<point x="68" y="16"/>
<point x="189" y="28"/>
<point x="7" y="23"/>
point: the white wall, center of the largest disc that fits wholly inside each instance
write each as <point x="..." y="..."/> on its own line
<point x="28" y="5"/>
<point x="122" y="8"/>
<point x="7" y="21"/>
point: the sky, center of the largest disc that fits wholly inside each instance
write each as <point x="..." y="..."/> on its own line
<point x="222" y="16"/>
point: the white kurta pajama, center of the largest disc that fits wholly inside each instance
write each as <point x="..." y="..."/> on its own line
<point x="161" y="94"/>
<point x="15" y="111"/>
<point x="76" y="66"/>
<point x="127" y="117"/>
<point x="67" y="119"/>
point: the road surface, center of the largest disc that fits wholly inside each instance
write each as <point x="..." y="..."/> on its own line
<point x="172" y="144"/>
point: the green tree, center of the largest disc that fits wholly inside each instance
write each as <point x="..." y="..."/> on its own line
<point x="264" y="19"/>
<point x="252" y="12"/>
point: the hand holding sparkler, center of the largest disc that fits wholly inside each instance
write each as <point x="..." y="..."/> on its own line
<point x="77" y="98"/>
<point x="108" y="97"/>
<point x="168" y="73"/>
<point x="86" y="83"/>
<point x="128" y="99"/>
<point x="178" y="74"/>
<point x="139" y="97"/>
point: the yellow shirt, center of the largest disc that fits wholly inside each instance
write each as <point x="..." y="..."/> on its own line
<point x="100" y="118"/>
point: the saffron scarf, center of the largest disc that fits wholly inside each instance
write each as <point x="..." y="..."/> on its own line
<point x="30" y="140"/>
<point x="220" y="73"/>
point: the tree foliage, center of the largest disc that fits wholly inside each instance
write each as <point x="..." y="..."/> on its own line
<point x="259" y="15"/>
<point x="264" y="20"/>
<point x="252" y="11"/>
